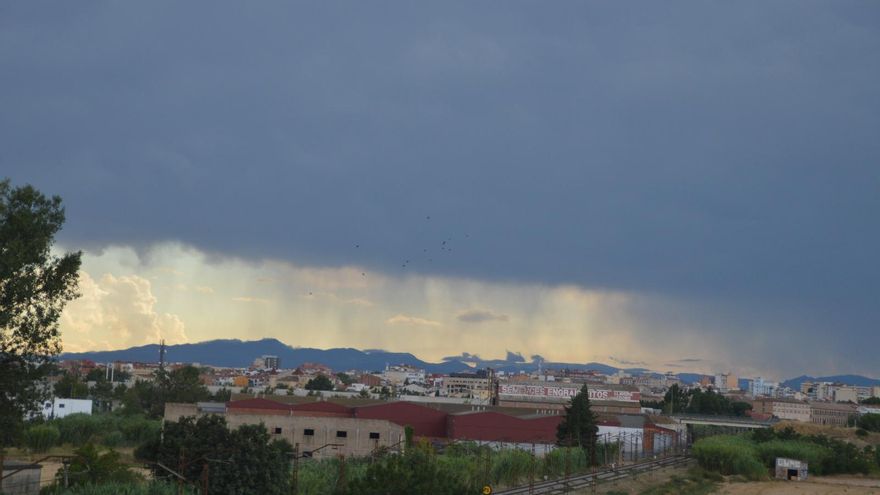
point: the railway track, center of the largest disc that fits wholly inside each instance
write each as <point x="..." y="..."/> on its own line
<point x="560" y="486"/>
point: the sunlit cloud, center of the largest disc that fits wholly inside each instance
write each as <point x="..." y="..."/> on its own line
<point x="401" y="319"/>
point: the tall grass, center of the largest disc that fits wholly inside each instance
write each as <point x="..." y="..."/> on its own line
<point x="153" y="488"/>
<point x="728" y="454"/>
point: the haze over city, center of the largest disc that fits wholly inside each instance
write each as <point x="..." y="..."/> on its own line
<point x="693" y="189"/>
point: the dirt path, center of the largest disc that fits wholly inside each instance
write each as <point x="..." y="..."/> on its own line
<point x="815" y="486"/>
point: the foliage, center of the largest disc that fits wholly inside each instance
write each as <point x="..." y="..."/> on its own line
<point x="578" y="426"/>
<point x="826" y="456"/>
<point x="91" y="466"/>
<point x="114" y="488"/>
<point x="870" y="422"/>
<point x="419" y="470"/>
<point x="222" y="395"/>
<point x="34" y="287"/>
<point x="320" y="382"/>
<point x="675" y="400"/>
<point x="40" y="438"/>
<point x="871" y="401"/>
<point x="71" y="387"/>
<point x="245" y="460"/>
<point x="728" y="454"/>
<point x="345" y="378"/>
<point x="814" y="455"/>
<point x="180" y="385"/>
<point x="108" y="429"/>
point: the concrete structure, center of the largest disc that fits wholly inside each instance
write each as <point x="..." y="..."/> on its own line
<point x="793" y="410"/>
<point x="402" y="374"/>
<point x="791" y="469"/>
<point x="725" y="382"/>
<point x="846" y="393"/>
<point x="758" y="387"/>
<point x="468" y="385"/>
<point x="59" y="408"/>
<point x="271" y="362"/>
<point x="24" y="481"/>
<point x="827" y="413"/>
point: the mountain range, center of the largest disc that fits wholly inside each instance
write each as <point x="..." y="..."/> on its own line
<point x="240" y="354"/>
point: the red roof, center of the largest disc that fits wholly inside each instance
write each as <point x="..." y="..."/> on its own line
<point x="497" y="427"/>
<point x="257" y="404"/>
<point x="323" y="407"/>
<point x="425" y="421"/>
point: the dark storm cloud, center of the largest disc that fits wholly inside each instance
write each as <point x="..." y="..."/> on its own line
<point x="719" y="153"/>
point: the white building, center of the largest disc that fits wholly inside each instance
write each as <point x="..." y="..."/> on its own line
<point x="758" y="388"/>
<point x="59" y="408"/>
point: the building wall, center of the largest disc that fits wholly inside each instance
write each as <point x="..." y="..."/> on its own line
<point x="25" y="482"/>
<point x="60" y="408"/>
<point x="831" y="414"/>
<point x="795" y="411"/>
<point x="326" y="430"/>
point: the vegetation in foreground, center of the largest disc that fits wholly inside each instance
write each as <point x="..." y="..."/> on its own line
<point x="753" y="455"/>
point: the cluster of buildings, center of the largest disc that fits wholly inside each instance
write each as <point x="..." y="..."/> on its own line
<point x="328" y="428"/>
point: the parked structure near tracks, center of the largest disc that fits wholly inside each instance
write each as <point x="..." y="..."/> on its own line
<point x="791" y="469"/>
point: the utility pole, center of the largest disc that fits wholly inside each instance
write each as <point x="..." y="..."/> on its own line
<point x="340" y="482"/>
<point x="162" y="355"/>
<point x="205" y="478"/>
<point x="294" y="485"/>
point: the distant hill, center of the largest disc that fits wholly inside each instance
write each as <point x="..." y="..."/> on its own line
<point x="856" y="380"/>
<point x="239" y="354"/>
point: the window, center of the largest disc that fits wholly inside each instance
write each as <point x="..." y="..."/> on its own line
<point x="374" y="435"/>
<point x="341" y="434"/>
<point x="309" y="432"/>
<point x="277" y="430"/>
<point x="61" y="406"/>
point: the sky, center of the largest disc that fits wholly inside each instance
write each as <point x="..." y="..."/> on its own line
<point x="688" y="185"/>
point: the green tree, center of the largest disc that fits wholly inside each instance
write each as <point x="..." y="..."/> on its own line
<point x="92" y="467"/>
<point x="871" y="401"/>
<point x="71" y="387"/>
<point x="578" y="427"/>
<point x="675" y="401"/>
<point x="870" y="422"/>
<point x="245" y="460"/>
<point x="345" y="378"/>
<point x="319" y="382"/>
<point x="34" y="287"/>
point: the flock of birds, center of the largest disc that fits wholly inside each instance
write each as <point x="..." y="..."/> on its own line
<point x="445" y="248"/>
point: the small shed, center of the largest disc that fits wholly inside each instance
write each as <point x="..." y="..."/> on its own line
<point x="20" y="478"/>
<point x="790" y="469"/>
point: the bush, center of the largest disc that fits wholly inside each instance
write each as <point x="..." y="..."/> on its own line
<point x="861" y="432"/>
<point x="728" y="454"/>
<point x="113" y="439"/>
<point x="80" y="429"/>
<point x="154" y="488"/>
<point x="814" y="455"/>
<point x="41" y="438"/>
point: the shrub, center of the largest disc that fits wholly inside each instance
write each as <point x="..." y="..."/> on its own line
<point x="729" y="455"/>
<point x="41" y="438"/>
<point x="814" y="455"/>
<point x="113" y="439"/>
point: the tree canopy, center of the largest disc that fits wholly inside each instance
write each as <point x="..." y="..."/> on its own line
<point x="35" y="285"/>
<point x="319" y="382"/>
<point x="578" y="428"/>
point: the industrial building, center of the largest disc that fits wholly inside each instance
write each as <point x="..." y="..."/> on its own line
<point x="360" y="430"/>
